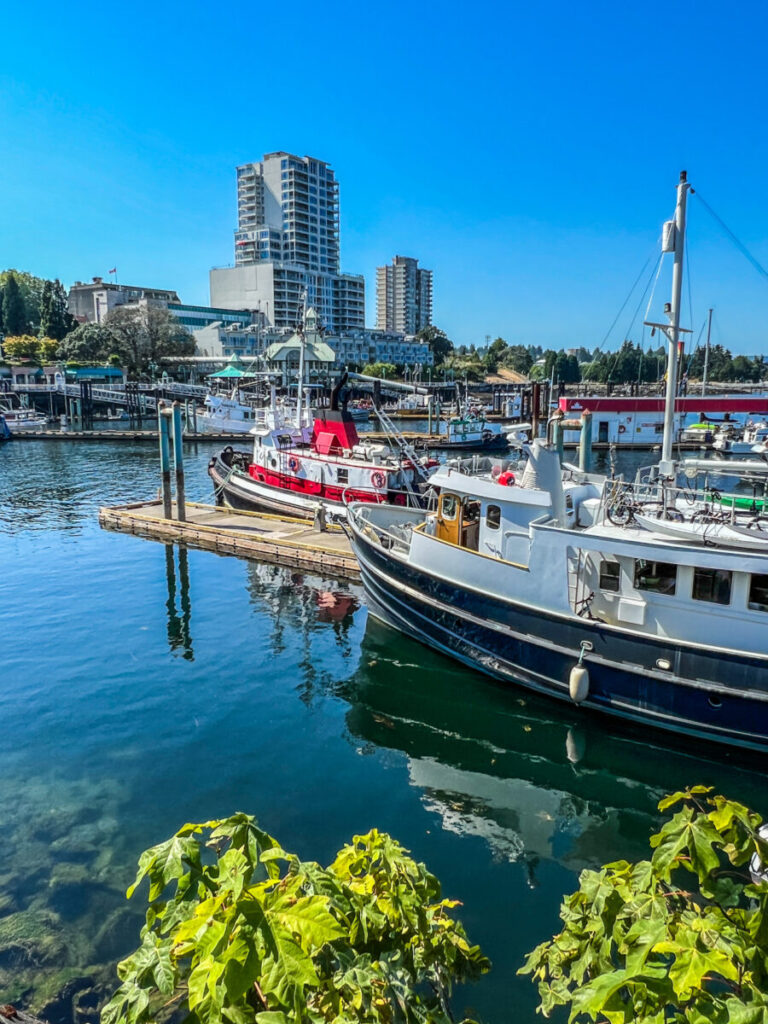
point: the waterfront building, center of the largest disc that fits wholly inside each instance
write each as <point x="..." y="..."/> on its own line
<point x="194" y="318"/>
<point x="403" y="296"/>
<point x="287" y="247"/>
<point x="90" y="303"/>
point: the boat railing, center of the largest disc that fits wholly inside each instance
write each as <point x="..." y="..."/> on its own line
<point x="396" y="536"/>
<point x="700" y="501"/>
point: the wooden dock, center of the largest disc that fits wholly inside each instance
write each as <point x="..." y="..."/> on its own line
<point x="120" y="435"/>
<point x="268" y="538"/>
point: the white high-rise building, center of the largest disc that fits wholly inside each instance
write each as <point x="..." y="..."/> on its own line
<point x="287" y="244"/>
<point x="403" y="296"/>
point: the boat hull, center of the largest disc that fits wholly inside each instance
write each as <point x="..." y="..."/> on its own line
<point x="240" y="491"/>
<point x="708" y="694"/>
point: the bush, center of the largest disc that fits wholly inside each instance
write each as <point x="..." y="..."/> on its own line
<point x="238" y="930"/>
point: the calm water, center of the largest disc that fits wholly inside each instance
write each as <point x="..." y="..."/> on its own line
<point x="143" y="687"/>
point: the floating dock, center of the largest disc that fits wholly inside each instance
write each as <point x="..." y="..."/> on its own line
<point x="118" y="435"/>
<point x="268" y="538"/>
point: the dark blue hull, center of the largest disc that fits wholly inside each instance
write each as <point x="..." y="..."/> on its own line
<point x="721" y="696"/>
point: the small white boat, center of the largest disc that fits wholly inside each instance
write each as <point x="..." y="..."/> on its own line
<point x="24" y="419"/>
<point x="724" y="535"/>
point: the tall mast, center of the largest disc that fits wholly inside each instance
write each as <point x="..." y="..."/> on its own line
<point x="706" y="356"/>
<point x="666" y="466"/>
<point x="300" y="385"/>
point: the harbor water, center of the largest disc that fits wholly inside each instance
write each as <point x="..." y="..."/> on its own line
<point x="144" y="686"/>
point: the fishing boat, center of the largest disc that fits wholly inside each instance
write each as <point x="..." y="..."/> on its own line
<point x="301" y="463"/>
<point x="470" y="429"/>
<point x="19" y="418"/>
<point x="227" y="414"/>
<point x="749" y="441"/>
<point x="552" y="580"/>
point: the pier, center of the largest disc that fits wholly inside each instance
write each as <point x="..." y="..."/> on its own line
<point x="278" y="539"/>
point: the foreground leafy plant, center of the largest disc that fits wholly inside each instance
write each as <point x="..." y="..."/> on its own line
<point x="239" y="930"/>
<point x="682" y="937"/>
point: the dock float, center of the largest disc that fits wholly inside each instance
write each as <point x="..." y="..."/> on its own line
<point x="118" y="435"/>
<point x="269" y="538"/>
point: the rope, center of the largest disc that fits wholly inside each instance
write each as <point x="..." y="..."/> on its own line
<point x="733" y="237"/>
<point x="624" y="303"/>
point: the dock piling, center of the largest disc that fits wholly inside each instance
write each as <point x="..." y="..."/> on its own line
<point x="585" y="442"/>
<point x="178" y="458"/>
<point x="163" y="416"/>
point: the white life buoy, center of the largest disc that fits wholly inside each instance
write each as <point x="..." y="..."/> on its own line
<point x="378" y="479"/>
<point x="293" y="463"/>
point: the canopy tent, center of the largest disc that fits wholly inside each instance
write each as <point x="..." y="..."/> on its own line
<point x="234" y="368"/>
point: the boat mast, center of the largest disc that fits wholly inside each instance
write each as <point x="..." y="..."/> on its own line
<point x="706" y="356"/>
<point x="300" y="385"/>
<point x="666" y="466"/>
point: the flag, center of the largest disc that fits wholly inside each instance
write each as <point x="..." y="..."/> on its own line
<point x="113" y="270"/>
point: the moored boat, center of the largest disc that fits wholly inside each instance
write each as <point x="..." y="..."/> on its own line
<point x="638" y="601"/>
<point x="299" y="464"/>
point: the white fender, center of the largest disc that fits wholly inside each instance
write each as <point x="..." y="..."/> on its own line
<point x="578" y="684"/>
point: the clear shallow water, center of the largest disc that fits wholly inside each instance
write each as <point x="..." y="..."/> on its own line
<point x="142" y="687"/>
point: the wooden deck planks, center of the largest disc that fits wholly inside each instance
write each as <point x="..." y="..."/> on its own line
<point x="277" y="539"/>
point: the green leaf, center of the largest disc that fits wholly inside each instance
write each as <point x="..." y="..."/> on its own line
<point x="309" y="918"/>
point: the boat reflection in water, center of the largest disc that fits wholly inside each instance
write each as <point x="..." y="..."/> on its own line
<point x="532" y="780"/>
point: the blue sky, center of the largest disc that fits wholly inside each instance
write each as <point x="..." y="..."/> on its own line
<point x="526" y="153"/>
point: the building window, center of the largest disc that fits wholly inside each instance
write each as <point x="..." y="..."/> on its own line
<point x="493" y="517"/>
<point x="712" y="585"/>
<point x="610" y="574"/>
<point x="758" y="593"/>
<point x="342" y="475"/>
<point x="656" y="577"/>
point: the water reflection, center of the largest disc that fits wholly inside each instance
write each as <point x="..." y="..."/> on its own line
<point x="533" y="780"/>
<point x="179" y="639"/>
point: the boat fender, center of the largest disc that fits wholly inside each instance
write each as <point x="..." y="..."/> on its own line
<point x="578" y="684"/>
<point x="293" y="463"/>
<point x="378" y="479"/>
<point x="506" y="479"/>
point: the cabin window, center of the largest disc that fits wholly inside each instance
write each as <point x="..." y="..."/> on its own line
<point x="493" y="517"/>
<point x="758" y="593"/>
<point x="343" y="475"/>
<point x="712" y="585"/>
<point x="448" y="506"/>
<point x="656" y="577"/>
<point x="610" y="573"/>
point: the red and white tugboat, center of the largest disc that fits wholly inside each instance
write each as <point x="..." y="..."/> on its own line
<point x="295" y="468"/>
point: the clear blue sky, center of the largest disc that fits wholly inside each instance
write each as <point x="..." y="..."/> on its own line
<point x="527" y="153"/>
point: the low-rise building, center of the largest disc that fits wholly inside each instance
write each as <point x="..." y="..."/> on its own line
<point x="90" y="303"/>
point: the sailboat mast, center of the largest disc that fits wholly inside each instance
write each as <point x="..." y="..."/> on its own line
<point x="706" y="356"/>
<point x="673" y="334"/>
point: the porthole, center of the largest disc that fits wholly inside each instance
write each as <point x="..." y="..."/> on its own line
<point x="714" y="702"/>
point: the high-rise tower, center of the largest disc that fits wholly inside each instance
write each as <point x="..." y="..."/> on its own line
<point x="403" y="296"/>
<point x="287" y="243"/>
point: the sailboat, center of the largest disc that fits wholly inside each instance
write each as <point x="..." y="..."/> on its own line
<point x="549" y="580"/>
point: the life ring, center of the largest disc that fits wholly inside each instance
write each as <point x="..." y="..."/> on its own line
<point x="506" y="479"/>
<point x="293" y="463"/>
<point x="378" y="479"/>
<point x="622" y="429"/>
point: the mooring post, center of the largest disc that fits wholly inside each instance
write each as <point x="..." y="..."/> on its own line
<point x="585" y="442"/>
<point x="557" y="437"/>
<point x="429" y="414"/>
<point x="178" y="458"/>
<point x="194" y="415"/>
<point x="165" y="460"/>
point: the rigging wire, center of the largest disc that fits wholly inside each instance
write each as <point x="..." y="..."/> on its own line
<point x="626" y="300"/>
<point x="733" y="237"/>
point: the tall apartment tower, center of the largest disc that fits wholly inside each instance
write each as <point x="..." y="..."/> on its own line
<point x="286" y="243"/>
<point x="403" y="296"/>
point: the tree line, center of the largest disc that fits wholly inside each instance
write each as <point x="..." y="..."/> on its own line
<point x="38" y="328"/>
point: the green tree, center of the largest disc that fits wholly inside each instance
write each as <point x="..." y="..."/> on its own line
<point x="238" y="930"/>
<point x="388" y="370"/>
<point x="145" y="334"/>
<point x="517" y="358"/>
<point x="682" y="937"/>
<point x="88" y="343"/>
<point x="55" y="320"/>
<point x="494" y="354"/>
<point x="31" y="289"/>
<point x="438" y="341"/>
<point x="15" y="320"/>
<point x="21" y="347"/>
